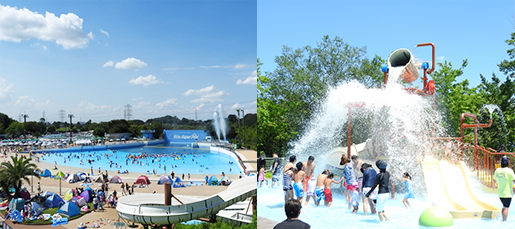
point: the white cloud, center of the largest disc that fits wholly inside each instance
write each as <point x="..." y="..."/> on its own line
<point x="248" y="107"/>
<point x="22" y="24"/>
<point x="24" y="101"/>
<point x="104" y="32"/>
<point x="251" y="80"/>
<point x="441" y="58"/>
<point x="168" y="102"/>
<point x="211" y="97"/>
<point x="238" y="66"/>
<point x="200" y="91"/>
<point x="109" y="64"/>
<point x="131" y="63"/>
<point x="207" y="95"/>
<point x="145" y="80"/>
<point x="5" y="88"/>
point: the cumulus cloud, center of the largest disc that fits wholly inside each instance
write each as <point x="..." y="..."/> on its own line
<point x="130" y="63"/>
<point x="5" y="88"/>
<point x="200" y="91"/>
<point x="22" y="24"/>
<point x="238" y="66"/>
<point x="104" y="32"/>
<point x="25" y="100"/>
<point x="251" y="80"/>
<point x="441" y="58"/>
<point x="109" y="64"/>
<point x="250" y="107"/>
<point x="145" y="80"/>
<point x="207" y="95"/>
<point x="168" y="102"/>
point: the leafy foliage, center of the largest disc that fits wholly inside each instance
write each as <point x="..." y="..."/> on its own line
<point x="14" y="173"/>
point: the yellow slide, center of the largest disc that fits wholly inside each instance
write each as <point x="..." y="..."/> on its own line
<point x="448" y="186"/>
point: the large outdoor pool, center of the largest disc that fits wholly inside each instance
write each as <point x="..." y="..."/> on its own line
<point x="164" y="159"/>
<point x="271" y="206"/>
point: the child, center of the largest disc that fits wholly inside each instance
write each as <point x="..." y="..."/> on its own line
<point x="327" y="189"/>
<point x="409" y="188"/>
<point x="287" y="184"/>
<point x="261" y="176"/>
<point x="298" y="179"/>
<point x="382" y="181"/>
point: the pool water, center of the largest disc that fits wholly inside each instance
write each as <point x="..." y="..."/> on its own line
<point x="271" y="206"/>
<point x="177" y="159"/>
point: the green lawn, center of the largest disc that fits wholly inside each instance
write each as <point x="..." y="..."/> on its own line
<point x="52" y="211"/>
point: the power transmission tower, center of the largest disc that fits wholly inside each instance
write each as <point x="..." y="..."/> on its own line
<point x="127" y="113"/>
<point x="61" y="115"/>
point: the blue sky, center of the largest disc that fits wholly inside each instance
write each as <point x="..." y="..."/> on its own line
<point x="473" y="30"/>
<point x="91" y="58"/>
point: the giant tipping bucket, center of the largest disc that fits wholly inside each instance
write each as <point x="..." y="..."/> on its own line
<point x="404" y="58"/>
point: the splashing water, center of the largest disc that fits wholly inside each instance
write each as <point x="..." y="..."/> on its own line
<point x="219" y="123"/>
<point x="400" y="125"/>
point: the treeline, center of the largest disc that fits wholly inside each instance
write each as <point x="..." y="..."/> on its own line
<point x="289" y="95"/>
<point x="14" y="129"/>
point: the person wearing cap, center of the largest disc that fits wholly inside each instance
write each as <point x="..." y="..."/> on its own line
<point x="503" y="178"/>
<point x="382" y="179"/>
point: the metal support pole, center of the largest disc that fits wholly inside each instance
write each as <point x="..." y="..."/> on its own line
<point x="349" y="134"/>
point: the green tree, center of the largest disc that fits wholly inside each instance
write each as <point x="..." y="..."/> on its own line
<point x="454" y="97"/>
<point x="288" y="96"/>
<point x="13" y="174"/>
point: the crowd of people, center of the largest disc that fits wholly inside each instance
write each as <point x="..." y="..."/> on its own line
<point x="362" y="184"/>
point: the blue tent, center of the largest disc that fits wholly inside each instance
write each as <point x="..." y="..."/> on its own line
<point x="46" y="173"/>
<point x="69" y="209"/>
<point x="53" y="201"/>
<point x="178" y="183"/>
<point x="213" y="181"/>
<point x="17" y="204"/>
<point x="36" y="209"/>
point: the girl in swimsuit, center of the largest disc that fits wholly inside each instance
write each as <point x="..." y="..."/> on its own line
<point x="409" y="188"/>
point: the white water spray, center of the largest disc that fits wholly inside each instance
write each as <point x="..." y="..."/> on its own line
<point x="219" y="122"/>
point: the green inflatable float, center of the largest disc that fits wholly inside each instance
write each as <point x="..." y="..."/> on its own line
<point x="435" y="217"/>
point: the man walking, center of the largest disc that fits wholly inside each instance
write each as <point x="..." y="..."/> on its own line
<point x="503" y="182"/>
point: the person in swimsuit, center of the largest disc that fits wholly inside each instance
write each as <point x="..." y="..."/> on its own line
<point x="287" y="184"/>
<point x="351" y="185"/>
<point x="382" y="179"/>
<point x="309" y="169"/>
<point x="327" y="189"/>
<point x="319" y="189"/>
<point x="409" y="188"/>
<point x="261" y="176"/>
<point x="298" y="178"/>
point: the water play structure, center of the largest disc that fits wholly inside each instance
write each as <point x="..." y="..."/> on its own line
<point x="150" y="209"/>
<point x="404" y="128"/>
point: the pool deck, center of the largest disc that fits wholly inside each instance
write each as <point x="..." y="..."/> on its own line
<point x="264" y="223"/>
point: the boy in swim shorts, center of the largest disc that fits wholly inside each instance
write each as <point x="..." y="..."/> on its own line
<point x="298" y="178"/>
<point x="319" y="189"/>
<point x="309" y="168"/>
<point x="327" y="189"/>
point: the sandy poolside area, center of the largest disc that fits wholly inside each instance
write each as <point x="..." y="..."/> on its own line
<point x="110" y="215"/>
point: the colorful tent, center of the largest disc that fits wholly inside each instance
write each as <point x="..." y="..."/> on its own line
<point x="213" y="181"/>
<point x="177" y="183"/>
<point x="225" y="181"/>
<point x="72" y="178"/>
<point x="69" y="209"/>
<point x="59" y="174"/>
<point x="78" y="200"/>
<point x="143" y="180"/>
<point x="68" y="195"/>
<point x="53" y="201"/>
<point x="98" y="179"/>
<point x="16" y="204"/>
<point x="36" y="209"/>
<point x="46" y="173"/>
<point x="86" y="195"/>
<point x="25" y="194"/>
<point x="116" y="180"/>
<point x="164" y="179"/>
